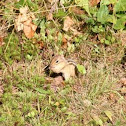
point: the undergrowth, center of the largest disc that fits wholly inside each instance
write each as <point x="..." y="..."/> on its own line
<point x="96" y="40"/>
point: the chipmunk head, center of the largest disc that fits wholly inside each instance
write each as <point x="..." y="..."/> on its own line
<point x="58" y="63"/>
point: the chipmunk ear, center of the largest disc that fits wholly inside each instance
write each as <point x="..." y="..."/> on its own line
<point x="55" y="54"/>
<point x="62" y="56"/>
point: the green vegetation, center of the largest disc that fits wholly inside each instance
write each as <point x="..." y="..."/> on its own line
<point x="92" y="33"/>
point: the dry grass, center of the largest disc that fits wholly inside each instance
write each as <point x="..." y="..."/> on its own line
<point x="26" y="93"/>
<point x="86" y="98"/>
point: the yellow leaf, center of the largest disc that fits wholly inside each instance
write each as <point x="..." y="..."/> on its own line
<point x="108" y="114"/>
<point x="68" y="22"/>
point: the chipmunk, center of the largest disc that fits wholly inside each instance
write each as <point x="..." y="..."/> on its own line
<point x="60" y="65"/>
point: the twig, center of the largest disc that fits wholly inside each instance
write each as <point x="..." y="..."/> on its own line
<point x="8" y="42"/>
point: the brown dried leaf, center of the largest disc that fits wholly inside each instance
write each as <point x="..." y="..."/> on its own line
<point x="41" y="44"/>
<point x="123" y="81"/>
<point x="77" y="10"/>
<point x="29" y="29"/>
<point x="64" y="42"/>
<point x="49" y="16"/>
<point x="57" y="83"/>
<point x="23" y="10"/>
<point x="24" y="22"/>
<point x="113" y="97"/>
<point x="14" y="90"/>
<point x="34" y="27"/>
<point x="77" y="88"/>
<point x="123" y="38"/>
<point x="21" y="18"/>
<point x="1" y="89"/>
<point x="68" y="22"/>
<point x="75" y="32"/>
<point x="110" y="7"/>
<point x="94" y="2"/>
<point x="123" y="90"/>
<point x="1" y="41"/>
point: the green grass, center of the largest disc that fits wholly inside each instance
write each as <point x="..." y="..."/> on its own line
<point x="28" y="99"/>
<point x="92" y="99"/>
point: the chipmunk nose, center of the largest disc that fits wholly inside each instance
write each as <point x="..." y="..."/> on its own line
<point x="51" y="67"/>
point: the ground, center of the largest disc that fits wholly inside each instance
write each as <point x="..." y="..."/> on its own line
<point x="30" y="96"/>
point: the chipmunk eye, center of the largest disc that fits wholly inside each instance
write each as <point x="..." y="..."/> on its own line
<point x="57" y="61"/>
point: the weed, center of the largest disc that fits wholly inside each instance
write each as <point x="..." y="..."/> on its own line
<point x="93" y="98"/>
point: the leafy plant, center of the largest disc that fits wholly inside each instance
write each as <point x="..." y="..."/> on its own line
<point x="81" y="69"/>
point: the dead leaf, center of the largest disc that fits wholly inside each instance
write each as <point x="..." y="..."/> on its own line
<point x="29" y="29"/>
<point x="27" y="22"/>
<point x="49" y="16"/>
<point x="64" y="42"/>
<point x="123" y="38"/>
<point x="57" y="104"/>
<point x="111" y="96"/>
<point x="34" y="27"/>
<point x="21" y="18"/>
<point x="77" y="88"/>
<point x="76" y="10"/>
<point x="87" y="103"/>
<point x="68" y="22"/>
<point x="94" y="2"/>
<point x="14" y="90"/>
<point x="24" y="22"/>
<point x="123" y="90"/>
<point x="1" y="90"/>
<point x="23" y="10"/>
<point x="54" y="4"/>
<point x="123" y="81"/>
<point x="1" y="41"/>
<point x="41" y="44"/>
<point x="18" y="24"/>
<point x="110" y="7"/>
<point x="75" y="32"/>
<point x="57" y="83"/>
<point x="16" y="123"/>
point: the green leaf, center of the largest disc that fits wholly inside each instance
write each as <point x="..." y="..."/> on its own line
<point x="98" y="29"/>
<point x="113" y="1"/>
<point x="64" y="109"/>
<point x="107" y="42"/>
<point x="71" y="47"/>
<point x="120" y="24"/>
<point x="111" y="19"/>
<point x="31" y="114"/>
<point x="42" y="31"/>
<point x="81" y="69"/>
<point x="64" y="91"/>
<point x="98" y="121"/>
<point x="108" y="114"/>
<point x="2" y="119"/>
<point x="102" y="15"/>
<point x="120" y="5"/>
<point x="20" y="3"/>
<point x="104" y="2"/>
<point x="43" y="91"/>
<point x="84" y="4"/>
<point x="121" y="16"/>
<point x="60" y="37"/>
<point x="118" y="123"/>
<point x="60" y="14"/>
<point x="29" y="57"/>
